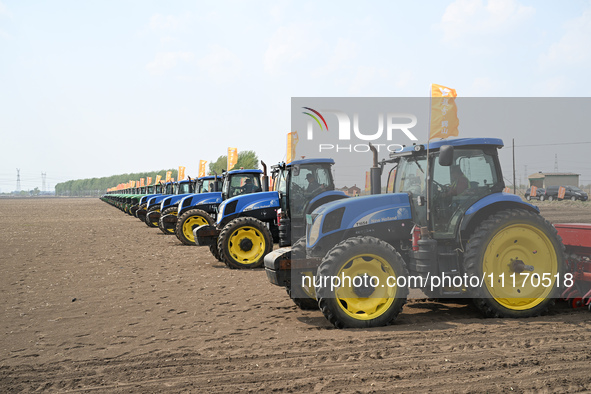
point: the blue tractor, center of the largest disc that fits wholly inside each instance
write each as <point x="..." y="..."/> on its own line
<point x="447" y="217"/>
<point x="247" y="225"/>
<point x="152" y="191"/>
<point x="183" y="187"/>
<point x="201" y="209"/>
<point x="169" y="204"/>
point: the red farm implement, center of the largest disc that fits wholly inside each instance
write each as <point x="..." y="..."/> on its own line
<point x="576" y="237"/>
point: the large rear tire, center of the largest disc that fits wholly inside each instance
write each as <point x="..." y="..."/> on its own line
<point x="514" y="242"/>
<point x="167" y="211"/>
<point x="244" y="243"/>
<point x="188" y="221"/>
<point x="371" y="304"/>
<point x="213" y="248"/>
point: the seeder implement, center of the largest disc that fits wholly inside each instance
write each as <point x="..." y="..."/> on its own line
<point x="576" y="238"/>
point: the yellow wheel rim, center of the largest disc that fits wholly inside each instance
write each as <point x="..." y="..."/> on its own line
<point x="527" y="244"/>
<point x="193" y="221"/>
<point x="246" y="245"/>
<point x="380" y="298"/>
<point x="155" y="224"/>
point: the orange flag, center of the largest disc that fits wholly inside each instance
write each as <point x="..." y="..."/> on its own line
<point x="232" y="157"/>
<point x="292" y="141"/>
<point x="181" y="173"/>
<point x="158" y="179"/>
<point x="367" y="181"/>
<point x="444" y="112"/>
<point x="149" y="181"/>
<point x="168" y="176"/>
<point x="202" y="168"/>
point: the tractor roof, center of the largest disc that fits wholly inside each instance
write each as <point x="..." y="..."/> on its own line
<point x="209" y="177"/>
<point x="311" y="161"/>
<point x="249" y="171"/>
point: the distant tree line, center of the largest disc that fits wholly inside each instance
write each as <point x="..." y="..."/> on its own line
<point x="98" y="186"/>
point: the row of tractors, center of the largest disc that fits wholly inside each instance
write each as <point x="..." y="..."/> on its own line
<point x="426" y="229"/>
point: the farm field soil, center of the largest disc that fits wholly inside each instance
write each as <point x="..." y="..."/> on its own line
<point x="94" y="300"/>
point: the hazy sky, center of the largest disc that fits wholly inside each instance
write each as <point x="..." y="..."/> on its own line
<point x="91" y="89"/>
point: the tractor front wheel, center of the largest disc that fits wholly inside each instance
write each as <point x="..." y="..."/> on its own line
<point x="154" y="208"/>
<point x="188" y="221"/>
<point x="244" y="243"/>
<point x="520" y="256"/>
<point x="368" y="294"/>
<point x="167" y="211"/>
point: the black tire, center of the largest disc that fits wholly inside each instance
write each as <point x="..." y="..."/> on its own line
<point x="244" y="243"/>
<point x="374" y="257"/>
<point x="542" y="198"/>
<point x="490" y="250"/>
<point x="550" y="198"/>
<point x="152" y="209"/>
<point x="300" y="296"/>
<point x="140" y="208"/>
<point x="573" y="198"/>
<point x="167" y="211"/>
<point x="215" y="252"/>
<point x="528" y="198"/>
<point x="188" y="221"/>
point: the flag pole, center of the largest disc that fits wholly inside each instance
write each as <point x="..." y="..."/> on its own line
<point x="427" y="176"/>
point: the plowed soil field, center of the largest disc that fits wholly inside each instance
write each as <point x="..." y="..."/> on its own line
<point x="94" y="300"/>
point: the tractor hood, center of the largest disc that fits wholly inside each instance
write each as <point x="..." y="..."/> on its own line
<point x="248" y="202"/>
<point x="355" y="213"/>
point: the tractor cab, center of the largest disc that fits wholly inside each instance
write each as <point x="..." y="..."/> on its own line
<point x="461" y="174"/>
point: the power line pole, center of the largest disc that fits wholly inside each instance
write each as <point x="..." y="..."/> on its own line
<point x="43" y="176"/>
<point x="18" y="180"/>
<point x="556" y="162"/>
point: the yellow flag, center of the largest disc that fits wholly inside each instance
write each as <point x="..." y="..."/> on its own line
<point x="148" y="181"/>
<point x="202" y="168"/>
<point x="292" y="141"/>
<point x="142" y="184"/>
<point x="232" y="157"/>
<point x="158" y="179"/>
<point x="168" y="176"/>
<point x="181" y="173"/>
<point x="444" y="112"/>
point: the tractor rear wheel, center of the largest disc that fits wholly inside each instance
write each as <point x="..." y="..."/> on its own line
<point x="154" y="208"/>
<point x="188" y="221"/>
<point x="167" y="211"/>
<point x="244" y="243"/>
<point x="362" y="301"/>
<point x="515" y="244"/>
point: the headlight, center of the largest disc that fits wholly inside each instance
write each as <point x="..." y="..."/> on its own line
<point x="221" y="211"/>
<point x="315" y="230"/>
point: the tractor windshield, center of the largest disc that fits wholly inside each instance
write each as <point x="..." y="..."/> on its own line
<point x="307" y="181"/>
<point x="243" y="184"/>
<point x="184" y="188"/>
<point x="207" y="186"/>
<point x="410" y="178"/>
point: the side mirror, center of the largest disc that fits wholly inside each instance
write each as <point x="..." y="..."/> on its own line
<point x="296" y="170"/>
<point x="446" y="155"/>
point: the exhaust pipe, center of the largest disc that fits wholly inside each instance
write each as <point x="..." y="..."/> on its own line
<point x="375" y="172"/>
<point x="265" y="179"/>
